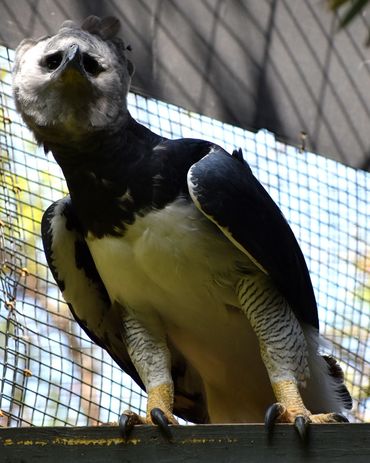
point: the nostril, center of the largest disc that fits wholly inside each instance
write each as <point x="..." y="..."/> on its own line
<point x="54" y="60"/>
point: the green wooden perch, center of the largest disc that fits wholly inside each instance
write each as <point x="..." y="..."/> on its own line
<point x="205" y="443"/>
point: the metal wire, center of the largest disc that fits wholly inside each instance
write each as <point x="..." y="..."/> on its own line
<point x="51" y="373"/>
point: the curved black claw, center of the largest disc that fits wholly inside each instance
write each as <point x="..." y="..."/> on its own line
<point x="160" y="419"/>
<point x="301" y="423"/>
<point x="272" y="413"/>
<point x="126" y="424"/>
<point x="338" y="418"/>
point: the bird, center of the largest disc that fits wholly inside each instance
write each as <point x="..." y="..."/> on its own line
<point x="170" y="254"/>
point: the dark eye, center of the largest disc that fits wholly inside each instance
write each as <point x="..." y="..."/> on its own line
<point x="91" y="65"/>
<point x="53" y="61"/>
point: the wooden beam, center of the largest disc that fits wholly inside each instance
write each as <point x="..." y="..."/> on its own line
<point x="206" y="443"/>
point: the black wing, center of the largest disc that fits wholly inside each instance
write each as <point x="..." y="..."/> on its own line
<point x="74" y="270"/>
<point x="225" y="190"/>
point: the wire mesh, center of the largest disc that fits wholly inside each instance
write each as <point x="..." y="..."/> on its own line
<point x="52" y="374"/>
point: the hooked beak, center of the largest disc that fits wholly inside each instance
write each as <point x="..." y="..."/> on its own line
<point x="72" y="61"/>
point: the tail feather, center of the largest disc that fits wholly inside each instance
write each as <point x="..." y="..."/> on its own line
<point x="336" y="372"/>
<point x="325" y="391"/>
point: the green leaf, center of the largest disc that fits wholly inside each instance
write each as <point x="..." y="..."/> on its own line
<point x="335" y="4"/>
<point x="352" y="12"/>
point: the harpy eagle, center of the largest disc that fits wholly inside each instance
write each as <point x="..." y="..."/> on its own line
<point x="170" y="254"/>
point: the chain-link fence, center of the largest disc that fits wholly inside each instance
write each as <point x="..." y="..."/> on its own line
<point x="51" y="373"/>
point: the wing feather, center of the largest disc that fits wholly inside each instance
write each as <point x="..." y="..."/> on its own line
<point x="225" y="190"/>
<point x="74" y="270"/>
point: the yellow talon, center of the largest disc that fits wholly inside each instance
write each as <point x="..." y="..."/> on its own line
<point x="161" y="397"/>
<point x="287" y="393"/>
<point x="292" y="406"/>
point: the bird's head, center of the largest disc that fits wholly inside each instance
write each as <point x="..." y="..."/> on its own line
<point x="75" y="82"/>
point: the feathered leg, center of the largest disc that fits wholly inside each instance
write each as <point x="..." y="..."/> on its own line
<point x="151" y="358"/>
<point x="284" y="351"/>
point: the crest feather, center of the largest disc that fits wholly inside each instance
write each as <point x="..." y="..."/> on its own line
<point x="107" y="28"/>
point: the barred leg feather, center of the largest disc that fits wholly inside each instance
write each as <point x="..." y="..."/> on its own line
<point x="290" y="354"/>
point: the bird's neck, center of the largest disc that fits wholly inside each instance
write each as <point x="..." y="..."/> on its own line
<point x="98" y="170"/>
<point x="91" y="150"/>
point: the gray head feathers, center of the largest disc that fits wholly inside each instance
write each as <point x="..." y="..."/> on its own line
<point x="106" y="28"/>
<point x="74" y="82"/>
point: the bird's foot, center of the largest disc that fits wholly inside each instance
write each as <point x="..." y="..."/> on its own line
<point x="159" y="412"/>
<point x="300" y="417"/>
<point x="157" y="416"/>
<point x="290" y="409"/>
<point x="127" y="421"/>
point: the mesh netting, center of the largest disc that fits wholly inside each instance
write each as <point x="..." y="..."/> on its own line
<point x="51" y="373"/>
